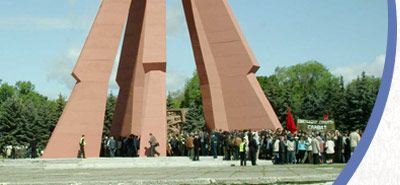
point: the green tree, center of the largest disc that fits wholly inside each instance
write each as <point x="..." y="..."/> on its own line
<point x="170" y="102"/>
<point x="11" y="122"/>
<point x="176" y="100"/>
<point x="6" y="91"/>
<point x="24" y="87"/>
<point x="192" y="93"/>
<point x="361" y="95"/>
<point x="47" y="118"/>
<point x="108" y="117"/>
<point x="338" y="103"/>
<point x="303" y="88"/>
<point x="60" y="104"/>
<point x="194" y="119"/>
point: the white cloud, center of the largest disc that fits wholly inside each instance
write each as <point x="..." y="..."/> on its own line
<point x="176" y="22"/>
<point x="26" y="22"/>
<point x="175" y="80"/>
<point x="351" y="71"/>
<point x="62" y="67"/>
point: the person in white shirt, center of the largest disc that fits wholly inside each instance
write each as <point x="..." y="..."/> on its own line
<point x="354" y="140"/>
<point x="329" y="150"/>
<point x="275" y="148"/>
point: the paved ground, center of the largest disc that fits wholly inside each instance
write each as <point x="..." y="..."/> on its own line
<point x="202" y="172"/>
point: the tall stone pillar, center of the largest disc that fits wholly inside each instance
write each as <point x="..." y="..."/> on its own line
<point x="232" y="96"/>
<point x="130" y="77"/>
<point x="141" y="106"/>
<point x="154" y="118"/>
<point x="84" y="112"/>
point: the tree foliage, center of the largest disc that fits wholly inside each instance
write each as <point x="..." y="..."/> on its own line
<point x="194" y="119"/>
<point x="192" y="94"/>
<point x="25" y="115"/>
<point x="108" y="117"/>
<point x="309" y="90"/>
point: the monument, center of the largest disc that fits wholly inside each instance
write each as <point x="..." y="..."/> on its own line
<point x="175" y="120"/>
<point x="231" y="95"/>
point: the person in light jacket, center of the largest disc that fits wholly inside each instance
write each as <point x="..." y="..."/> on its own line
<point x="315" y="150"/>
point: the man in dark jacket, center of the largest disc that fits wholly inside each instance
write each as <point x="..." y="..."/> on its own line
<point x="227" y="147"/>
<point x="33" y="144"/>
<point x="129" y="146"/>
<point x="339" y="147"/>
<point x="197" y="148"/>
<point x="214" y="144"/>
<point x="253" y="150"/>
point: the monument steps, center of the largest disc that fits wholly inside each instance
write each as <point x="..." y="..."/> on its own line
<point x="122" y="162"/>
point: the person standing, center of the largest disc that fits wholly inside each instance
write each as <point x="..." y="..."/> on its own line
<point x="174" y="145"/>
<point x="236" y="145"/>
<point x="197" y="148"/>
<point x="347" y="149"/>
<point x="82" y="144"/>
<point x="315" y="150"/>
<point x="190" y="146"/>
<point x="275" y="147"/>
<point x="33" y="144"/>
<point x="290" y="146"/>
<point x="322" y="149"/>
<point x="301" y="149"/>
<point x="129" y="146"/>
<point x="206" y="144"/>
<point x="227" y="146"/>
<point x="242" y="151"/>
<point x="136" y="145"/>
<point x="112" y="146"/>
<point x="282" y="150"/>
<point x="13" y="152"/>
<point x="253" y="150"/>
<point x="339" y="147"/>
<point x="153" y="144"/>
<point x="106" y="150"/>
<point x="202" y="144"/>
<point x="214" y="144"/>
<point x="330" y="150"/>
<point x="354" y="140"/>
<point x="308" y="155"/>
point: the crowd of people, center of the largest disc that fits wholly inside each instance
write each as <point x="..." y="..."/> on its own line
<point x="283" y="147"/>
<point x="120" y="147"/>
<point x="280" y="146"/>
<point x="14" y="152"/>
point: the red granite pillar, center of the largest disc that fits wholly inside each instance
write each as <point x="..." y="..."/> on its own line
<point x="130" y="77"/>
<point x="232" y="97"/>
<point x="84" y="112"/>
<point x="154" y="118"/>
<point x="141" y="106"/>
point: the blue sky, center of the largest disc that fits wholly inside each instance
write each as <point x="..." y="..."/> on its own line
<point x="40" y="40"/>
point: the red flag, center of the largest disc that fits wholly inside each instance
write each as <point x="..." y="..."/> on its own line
<point x="290" y="123"/>
<point x="327" y="116"/>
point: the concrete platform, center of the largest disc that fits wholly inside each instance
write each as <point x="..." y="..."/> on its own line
<point x="110" y="163"/>
<point x="171" y="170"/>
